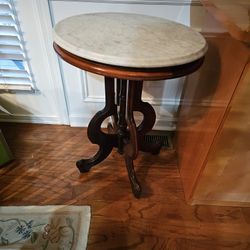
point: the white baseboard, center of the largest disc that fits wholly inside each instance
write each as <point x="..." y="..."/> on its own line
<point x="21" y="118"/>
<point x="166" y="123"/>
<point x="76" y="120"/>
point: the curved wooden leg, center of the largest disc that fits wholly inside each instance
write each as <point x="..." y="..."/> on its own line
<point x="105" y="141"/>
<point x="131" y="146"/>
<point x="84" y="165"/>
<point x="135" y="186"/>
<point x="147" y="123"/>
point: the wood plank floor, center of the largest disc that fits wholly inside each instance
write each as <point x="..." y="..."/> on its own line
<point x="44" y="172"/>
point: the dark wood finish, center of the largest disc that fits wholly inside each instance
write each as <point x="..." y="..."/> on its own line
<point x="131" y="144"/>
<point x="44" y="173"/>
<point x="105" y="141"/>
<point x="126" y="72"/>
<point x="123" y="133"/>
<point x="122" y="125"/>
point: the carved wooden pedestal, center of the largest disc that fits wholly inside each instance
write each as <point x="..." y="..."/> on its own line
<point x="123" y="90"/>
<point x="124" y="134"/>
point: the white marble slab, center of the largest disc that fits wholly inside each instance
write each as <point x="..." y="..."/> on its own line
<point x="129" y="40"/>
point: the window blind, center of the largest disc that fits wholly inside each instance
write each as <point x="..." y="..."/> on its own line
<point x="14" y="67"/>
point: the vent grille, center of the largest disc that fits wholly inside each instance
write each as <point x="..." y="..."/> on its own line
<point x="165" y="137"/>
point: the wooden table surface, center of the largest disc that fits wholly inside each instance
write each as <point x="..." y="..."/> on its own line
<point x="234" y="15"/>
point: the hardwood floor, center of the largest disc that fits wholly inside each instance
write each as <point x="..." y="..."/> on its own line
<point x="44" y="172"/>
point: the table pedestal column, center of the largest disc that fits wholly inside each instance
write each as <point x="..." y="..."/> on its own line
<point x="123" y="133"/>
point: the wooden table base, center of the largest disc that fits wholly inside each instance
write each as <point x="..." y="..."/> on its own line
<point x="122" y="99"/>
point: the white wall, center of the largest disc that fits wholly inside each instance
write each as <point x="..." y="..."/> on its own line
<point x="60" y="103"/>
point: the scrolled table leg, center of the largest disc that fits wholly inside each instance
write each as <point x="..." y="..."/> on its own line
<point x="131" y="145"/>
<point x="135" y="185"/>
<point x="106" y="142"/>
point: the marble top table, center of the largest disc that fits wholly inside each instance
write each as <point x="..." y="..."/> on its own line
<point x="127" y="49"/>
<point x="129" y="40"/>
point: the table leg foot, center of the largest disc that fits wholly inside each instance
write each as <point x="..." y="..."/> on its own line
<point x="84" y="165"/>
<point x="135" y="185"/>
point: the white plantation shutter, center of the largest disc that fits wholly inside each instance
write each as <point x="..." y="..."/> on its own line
<point x="14" y="68"/>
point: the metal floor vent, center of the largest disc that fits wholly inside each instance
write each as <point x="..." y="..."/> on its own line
<point x="166" y="137"/>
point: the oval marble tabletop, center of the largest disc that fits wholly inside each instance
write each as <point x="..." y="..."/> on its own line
<point x="129" y="40"/>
